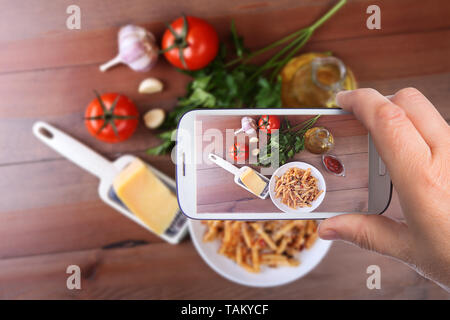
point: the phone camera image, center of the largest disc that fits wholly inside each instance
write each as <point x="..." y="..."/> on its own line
<point x="280" y="163"/>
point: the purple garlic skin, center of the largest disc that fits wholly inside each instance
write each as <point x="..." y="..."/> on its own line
<point x="137" y="49"/>
<point x="248" y="126"/>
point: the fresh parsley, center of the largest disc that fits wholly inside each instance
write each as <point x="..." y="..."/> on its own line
<point x="289" y="141"/>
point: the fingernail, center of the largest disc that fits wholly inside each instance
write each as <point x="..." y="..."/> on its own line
<point x="328" y="234"/>
<point x="340" y="95"/>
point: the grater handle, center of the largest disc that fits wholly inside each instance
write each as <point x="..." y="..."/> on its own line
<point x="224" y="164"/>
<point x="73" y="150"/>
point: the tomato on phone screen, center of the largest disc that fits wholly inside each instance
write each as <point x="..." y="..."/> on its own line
<point x="268" y="123"/>
<point x="239" y="152"/>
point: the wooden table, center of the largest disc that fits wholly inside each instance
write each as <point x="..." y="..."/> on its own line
<point x="50" y="214"/>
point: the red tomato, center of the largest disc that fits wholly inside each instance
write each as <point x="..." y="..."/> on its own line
<point x="268" y="123"/>
<point x="191" y="44"/>
<point x="111" y="118"/>
<point x="239" y="152"/>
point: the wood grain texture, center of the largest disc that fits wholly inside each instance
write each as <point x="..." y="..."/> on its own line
<point x="96" y="42"/>
<point x="59" y="96"/>
<point x="153" y="271"/>
<point x="50" y="215"/>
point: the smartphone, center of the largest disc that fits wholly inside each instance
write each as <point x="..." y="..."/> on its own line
<point x="214" y="165"/>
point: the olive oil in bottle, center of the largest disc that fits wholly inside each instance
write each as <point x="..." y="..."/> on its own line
<point x="318" y="140"/>
<point x="312" y="80"/>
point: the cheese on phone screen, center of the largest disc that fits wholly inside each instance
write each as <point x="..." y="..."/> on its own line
<point x="146" y="196"/>
<point x="253" y="182"/>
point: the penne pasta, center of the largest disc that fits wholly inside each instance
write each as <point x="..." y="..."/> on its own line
<point x="297" y="188"/>
<point x="265" y="243"/>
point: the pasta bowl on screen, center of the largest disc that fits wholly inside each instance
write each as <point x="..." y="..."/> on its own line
<point x="297" y="187"/>
<point x="259" y="253"/>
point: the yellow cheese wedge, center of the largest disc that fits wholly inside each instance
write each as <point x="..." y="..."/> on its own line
<point x="253" y="182"/>
<point x="146" y="196"/>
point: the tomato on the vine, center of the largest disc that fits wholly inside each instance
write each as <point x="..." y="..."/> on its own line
<point x="190" y="43"/>
<point x="239" y="152"/>
<point x="268" y="123"/>
<point x="111" y="117"/>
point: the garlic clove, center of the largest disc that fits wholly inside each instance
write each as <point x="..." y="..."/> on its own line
<point x="154" y="118"/>
<point x="150" y="85"/>
<point x="255" y="152"/>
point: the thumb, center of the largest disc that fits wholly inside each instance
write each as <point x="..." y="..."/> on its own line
<point x="371" y="232"/>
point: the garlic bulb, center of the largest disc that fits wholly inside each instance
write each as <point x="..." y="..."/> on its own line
<point x="248" y="126"/>
<point x="137" y="49"/>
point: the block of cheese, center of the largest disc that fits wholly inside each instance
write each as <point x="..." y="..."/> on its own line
<point x="146" y="196"/>
<point x="253" y="181"/>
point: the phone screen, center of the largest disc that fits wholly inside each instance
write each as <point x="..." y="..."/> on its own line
<point x="220" y="191"/>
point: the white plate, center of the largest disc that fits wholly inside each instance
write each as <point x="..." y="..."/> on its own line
<point x="301" y="165"/>
<point x="268" y="277"/>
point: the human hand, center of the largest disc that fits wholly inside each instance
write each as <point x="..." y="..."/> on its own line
<point x="413" y="140"/>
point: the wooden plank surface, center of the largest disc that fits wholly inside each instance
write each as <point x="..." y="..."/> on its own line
<point x="50" y="215"/>
<point x="153" y="271"/>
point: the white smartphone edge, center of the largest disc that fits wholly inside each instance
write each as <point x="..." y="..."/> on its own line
<point x="380" y="186"/>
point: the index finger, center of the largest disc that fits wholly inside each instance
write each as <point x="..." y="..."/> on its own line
<point x="396" y="139"/>
<point x="425" y="117"/>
